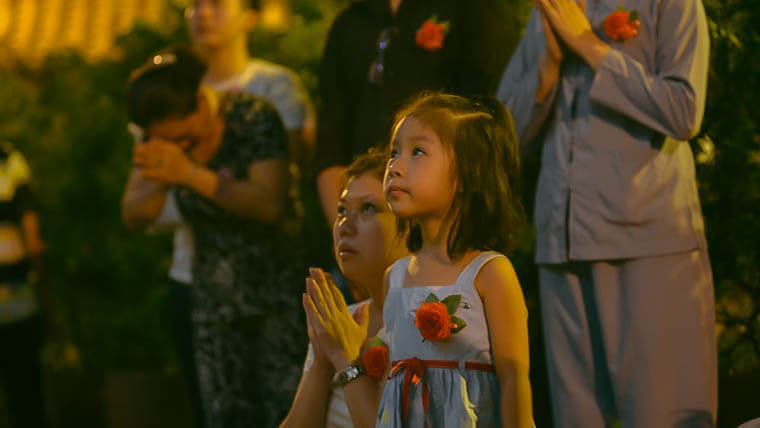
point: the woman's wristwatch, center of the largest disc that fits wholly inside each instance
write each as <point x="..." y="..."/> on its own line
<point x="350" y="373"/>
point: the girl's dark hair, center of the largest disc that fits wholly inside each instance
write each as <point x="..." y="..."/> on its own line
<point x="165" y="87"/>
<point x="483" y="144"/>
<point x="372" y="162"/>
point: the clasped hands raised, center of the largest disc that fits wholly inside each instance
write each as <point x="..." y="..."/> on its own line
<point x="336" y="335"/>
<point x="162" y="161"/>
<point x="565" y="24"/>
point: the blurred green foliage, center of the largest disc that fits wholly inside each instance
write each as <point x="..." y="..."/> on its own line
<point x="730" y="181"/>
<point x="108" y="283"/>
<point x="69" y="118"/>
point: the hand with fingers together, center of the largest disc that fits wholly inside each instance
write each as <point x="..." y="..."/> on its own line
<point x="569" y="23"/>
<point x="320" y="357"/>
<point x="162" y="161"/>
<point x="334" y="331"/>
<point x="554" y="50"/>
<point x="549" y="67"/>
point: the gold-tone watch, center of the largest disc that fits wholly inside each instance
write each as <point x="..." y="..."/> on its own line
<point x="350" y="373"/>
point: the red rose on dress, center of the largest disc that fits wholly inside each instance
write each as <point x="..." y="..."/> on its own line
<point x="433" y="321"/>
<point x="629" y="30"/>
<point x="435" y="318"/>
<point x="375" y="358"/>
<point x="621" y="25"/>
<point x="431" y="34"/>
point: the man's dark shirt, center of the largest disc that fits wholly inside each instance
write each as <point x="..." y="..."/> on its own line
<point x="355" y="114"/>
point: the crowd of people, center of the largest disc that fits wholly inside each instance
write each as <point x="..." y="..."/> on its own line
<point x="425" y="112"/>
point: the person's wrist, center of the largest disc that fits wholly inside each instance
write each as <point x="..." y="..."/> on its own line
<point x="548" y="69"/>
<point x="348" y="375"/>
<point x="322" y="366"/>
<point x="548" y="75"/>
<point x="592" y="49"/>
<point x="191" y="169"/>
<point x="549" y="62"/>
<point x="340" y="362"/>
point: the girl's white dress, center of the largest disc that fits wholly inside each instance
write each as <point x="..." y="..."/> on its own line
<point x="458" y="397"/>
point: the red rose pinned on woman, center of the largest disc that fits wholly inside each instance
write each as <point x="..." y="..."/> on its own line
<point x="375" y="358"/>
<point x="435" y="318"/>
<point x="621" y="25"/>
<point x="431" y="34"/>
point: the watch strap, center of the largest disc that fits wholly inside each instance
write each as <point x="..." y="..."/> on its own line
<point x="350" y="373"/>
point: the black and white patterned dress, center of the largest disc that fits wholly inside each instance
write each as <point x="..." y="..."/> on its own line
<point x="247" y="279"/>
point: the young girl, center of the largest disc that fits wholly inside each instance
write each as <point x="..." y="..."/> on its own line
<point x="454" y="311"/>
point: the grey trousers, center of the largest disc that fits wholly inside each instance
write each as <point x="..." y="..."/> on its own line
<point x="631" y="340"/>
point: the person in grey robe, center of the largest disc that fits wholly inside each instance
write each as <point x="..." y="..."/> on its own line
<point x="626" y="287"/>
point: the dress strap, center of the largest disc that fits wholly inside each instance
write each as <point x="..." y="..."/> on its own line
<point x="398" y="273"/>
<point x="467" y="277"/>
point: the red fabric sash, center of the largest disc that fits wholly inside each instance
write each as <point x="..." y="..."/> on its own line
<point x="415" y="373"/>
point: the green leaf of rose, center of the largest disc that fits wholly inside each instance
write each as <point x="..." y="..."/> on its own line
<point x="634" y="16"/>
<point x="460" y="324"/>
<point x="431" y="298"/>
<point x="452" y="303"/>
<point x="376" y="341"/>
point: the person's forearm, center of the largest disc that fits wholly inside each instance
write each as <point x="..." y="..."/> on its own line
<point x="328" y="185"/>
<point x="592" y="49"/>
<point x="548" y="76"/>
<point x="301" y="148"/>
<point x="247" y="199"/>
<point x="362" y="399"/>
<point x="669" y="101"/>
<point x="516" y="398"/>
<point x="142" y="201"/>
<point x="309" y="406"/>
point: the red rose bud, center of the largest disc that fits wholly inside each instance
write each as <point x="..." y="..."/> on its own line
<point x="629" y="30"/>
<point x="621" y="25"/>
<point x="430" y="35"/>
<point x="614" y="23"/>
<point x="375" y="361"/>
<point x="433" y="321"/>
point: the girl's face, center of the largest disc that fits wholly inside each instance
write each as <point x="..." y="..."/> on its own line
<point x="419" y="178"/>
<point x="364" y="231"/>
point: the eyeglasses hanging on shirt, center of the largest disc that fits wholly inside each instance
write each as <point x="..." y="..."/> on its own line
<point x="377" y="68"/>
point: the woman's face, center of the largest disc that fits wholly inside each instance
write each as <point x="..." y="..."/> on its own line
<point x="186" y="131"/>
<point x="364" y="231"/>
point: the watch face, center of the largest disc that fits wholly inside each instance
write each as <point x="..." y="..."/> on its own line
<point x="347" y="375"/>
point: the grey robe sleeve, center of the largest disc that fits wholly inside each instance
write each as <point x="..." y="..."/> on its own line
<point x="672" y="100"/>
<point x="519" y="83"/>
